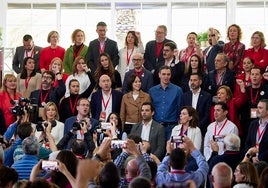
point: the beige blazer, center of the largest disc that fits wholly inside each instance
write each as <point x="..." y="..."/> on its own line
<point x="34" y="84"/>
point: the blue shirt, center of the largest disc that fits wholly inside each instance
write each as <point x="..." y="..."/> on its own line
<point x="167" y="102"/>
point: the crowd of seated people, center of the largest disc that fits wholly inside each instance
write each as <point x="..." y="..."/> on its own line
<point x="96" y="116"/>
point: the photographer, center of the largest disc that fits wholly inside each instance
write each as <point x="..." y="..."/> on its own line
<point x="51" y="115"/>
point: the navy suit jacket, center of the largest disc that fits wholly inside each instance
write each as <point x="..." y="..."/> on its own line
<point x="149" y="55"/>
<point x="93" y="53"/>
<point x="251" y="140"/>
<point x="211" y="86"/>
<point x="146" y="80"/>
<point x="210" y="57"/>
<point x="157" y="138"/>
<point x="19" y="57"/>
<point x="96" y="103"/>
<point x="203" y="107"/>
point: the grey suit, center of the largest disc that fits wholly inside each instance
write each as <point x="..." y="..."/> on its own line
<point x="19" y="56"/>
<point x="157" y="138"/>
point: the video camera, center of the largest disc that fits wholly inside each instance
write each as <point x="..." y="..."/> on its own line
<point x="21" y="104"/>
<point x="77" y="125"/>
<point x="39" y="126"/>
<point x="103" y="127"/>
<point x="177" y="140"/>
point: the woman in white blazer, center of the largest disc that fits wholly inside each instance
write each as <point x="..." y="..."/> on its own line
<point x="188" y="126"/>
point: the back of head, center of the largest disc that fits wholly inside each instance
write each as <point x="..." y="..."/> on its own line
<point x="30" y="145"/>
<point x="232" y="142"/>
<point x="132" y="169"/>
<point x="109" y="176"/>
<point x="178" y="159"/>
<point x="78" y="148"/>
<point x="40" y="183"/>
<point x="222" y="175"/>
<point x="7" y="176"/>
<point x="263" y="182"/>
<point x="24" y="130"/>
<point x="140" y="182"/>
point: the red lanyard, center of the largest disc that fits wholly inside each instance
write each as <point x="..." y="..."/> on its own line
<point x="128" y="56"/>
<point x="107" y="102"/>
<point x="31" y="54"/>
<point x="43" y="99"/>
<point x="219" y="80"/>
<point x="73" y="105"/>
<point x="260" y="133"/>
<point x="186" y="57"/>
<point x="254" y="98"/>
<point x="101" y="47"/>
<point x="26" y="83"/>
<point x="77" y="53"/>
<point x="215" y="131"/>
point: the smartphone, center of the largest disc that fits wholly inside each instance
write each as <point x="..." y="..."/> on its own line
<point x="49" y="165"/>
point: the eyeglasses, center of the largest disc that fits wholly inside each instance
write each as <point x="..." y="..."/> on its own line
<point x="159" y="32"/>
<point x="139" y="60"/>
<point x="47" y="77"/>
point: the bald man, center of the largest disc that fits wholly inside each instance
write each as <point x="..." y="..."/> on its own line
<point x="105" y="100"/>
<point x="221" y="175"/>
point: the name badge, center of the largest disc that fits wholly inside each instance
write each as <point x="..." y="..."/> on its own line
<point x="253" y="113"/>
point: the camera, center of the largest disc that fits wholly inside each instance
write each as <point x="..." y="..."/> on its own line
<point x="77" y="125"/>
<point x="177" y="140"/>
<point x="39" y="125"/>
<point x="49" y="165"/>
<point x="20" y="105"/>
<point x="218" y="138"/>
<point x="118" y="144"/>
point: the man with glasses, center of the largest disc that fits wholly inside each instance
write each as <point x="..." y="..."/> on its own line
<point x="145" y="75"/>
<point x="177" y="67"/>
<point x="154" y="49"/>
<point x="47" y="93"/>
<point x="100" y="45"/>
<point x="27" y="50"/>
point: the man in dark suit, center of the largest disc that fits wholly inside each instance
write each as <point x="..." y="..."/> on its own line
<point x="47" y="93"/>
<point x="145" y="75"/>
<point x="198" y="99"/>
<point x="222" y="75"/>
<point x="177" y="67"/>
<point x="100" y="45"/>
<point x="154" y="49"/>
<point x="106" y="100"/>
<point x="27" y="50"/>
<point x="150" y="130"/>
<point x="257" y="140"/>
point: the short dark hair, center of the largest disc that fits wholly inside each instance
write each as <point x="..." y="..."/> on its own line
<point x="136" y="138"/>
<point x="172" y="45"/>
<point x="140" y="182"/>
<point x="149" y="104"/>
<point x="50" y="73"/>
<point x="27" y="37"/>
<point x="109" y="176"/>
<point x="24" y="130"/>
<point x="101" y="24"/>
<point x="7" y="175"/>
<point x="178" y="159"/>
<point x="223" y="105"/>
<point x="265" y="101"/>
<point x="164" y="67"/>
<point x="130" y="81"/>
<point x="78" y="147"/>
<point x="200" y="77"/>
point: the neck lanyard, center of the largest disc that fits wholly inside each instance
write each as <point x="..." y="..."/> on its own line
<point x="215" y="128"/>
<point x="138" y="73"/>
<point x="43" y="99"/>
<point x="186" y="56"/>
<point x="177" y="171"/>
<point x="105" y="104"/>
<point x="254" y="98"/>
<point x="77" y="53"/>
<point x="102" y="46"/>
<point x="26" y="83"/>
<point x="128" y="56"/>
<point x="73" y="105"/>
<point x="260" y="133"/>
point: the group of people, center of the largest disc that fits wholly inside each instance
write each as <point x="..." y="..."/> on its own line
<point x="151" y="116"/>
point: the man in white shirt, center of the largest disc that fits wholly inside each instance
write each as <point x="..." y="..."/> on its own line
<point x="150" y="130"/>
<point x="216" y="130"/>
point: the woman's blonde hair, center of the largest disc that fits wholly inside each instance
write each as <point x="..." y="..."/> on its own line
<point x="8" y="77"/>
<point x="57" y="117"/>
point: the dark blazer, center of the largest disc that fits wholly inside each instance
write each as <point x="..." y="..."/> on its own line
<point x="55" y="95"/>
<point x="149" y="55"/>
<point x="251" y="140"/>
<point x="93" y="53"/>
<point x="211" y="86"/>
<point x="19" y="56"/>
<point x="203" y="108"/>
<point x="146" y="80"/>
<point x="177" y="72"/>
<point x="157" y="138"/>
<point x="96" y="103"/>
<point x="210" y="57"/>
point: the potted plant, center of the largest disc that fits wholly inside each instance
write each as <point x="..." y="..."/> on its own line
<point x="202" y="38"/>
